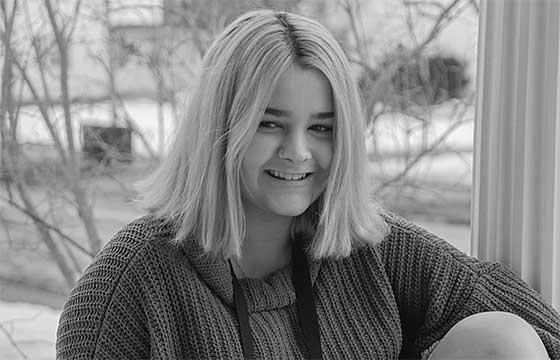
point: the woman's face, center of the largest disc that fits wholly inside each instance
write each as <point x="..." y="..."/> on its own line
<point x="287" y="163"/>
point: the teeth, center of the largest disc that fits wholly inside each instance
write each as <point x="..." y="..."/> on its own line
<point x="286" y="176"/>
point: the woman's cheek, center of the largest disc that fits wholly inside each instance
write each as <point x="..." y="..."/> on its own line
<point x="324" y="157"/>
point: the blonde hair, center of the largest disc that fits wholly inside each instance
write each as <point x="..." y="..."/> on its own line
<point x="197" y="185"/>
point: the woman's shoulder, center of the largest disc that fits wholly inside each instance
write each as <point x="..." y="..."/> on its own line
<point x="141" y="230"/>
<point x="138" y="234"/>
<point x="128" y="250"/>
<point x="111" y="290"/>
<point x="405" y="234"/>
<point x="409" y="243"/>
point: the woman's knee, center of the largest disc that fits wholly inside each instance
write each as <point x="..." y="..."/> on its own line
<point x="491" y="335"/>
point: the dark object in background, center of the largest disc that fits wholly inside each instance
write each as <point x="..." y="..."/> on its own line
<point x="106" y="143"/>
<point x="432" y="80"/>
<point x="448" y="78"/>
<point x="418" y="81"/>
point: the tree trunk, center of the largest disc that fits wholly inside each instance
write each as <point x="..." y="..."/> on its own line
<point x="85" y="212"/>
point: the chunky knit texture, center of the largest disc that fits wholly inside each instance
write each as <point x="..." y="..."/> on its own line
<point x="142" y="298"/>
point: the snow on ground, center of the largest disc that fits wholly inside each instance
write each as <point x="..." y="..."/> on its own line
<point x="31" y="327"/>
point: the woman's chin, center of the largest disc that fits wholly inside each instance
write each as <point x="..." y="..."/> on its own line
<point x="291" y="209"/>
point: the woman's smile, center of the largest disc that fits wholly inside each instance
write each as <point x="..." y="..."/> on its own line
<point x="289" y="180"/>
<point x="288" y="176"/>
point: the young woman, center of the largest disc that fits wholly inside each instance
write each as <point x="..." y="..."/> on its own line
<point x="262" y="240"/>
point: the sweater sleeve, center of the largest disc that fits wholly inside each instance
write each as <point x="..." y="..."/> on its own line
<point x="103" y="316"/>
<point x="435" y="286"/>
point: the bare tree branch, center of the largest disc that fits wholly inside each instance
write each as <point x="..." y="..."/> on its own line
<point x="424" y="3"/>
<point x="10" y="338"/>
<point x="441" y="21"/>
<point x="130" y="123"/>
<point x="47" y="225"/>
<point x="475" y="5"/>
<point x="6" y="230"/>
<point x="71" y="25"/>
<point x="38" y="56"/>
<point x="62" y="43"/>
<point x="412" y="163"/>
<point x="351" y="7"/>
<point x="386" y="75"/>
<point x="85" y="211"/>
<point x="43" y="110"/>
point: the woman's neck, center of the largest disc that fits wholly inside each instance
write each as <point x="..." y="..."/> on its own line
<point x="267" y="246"/>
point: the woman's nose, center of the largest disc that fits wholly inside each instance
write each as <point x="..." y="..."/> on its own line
<point x="295" y="149"/>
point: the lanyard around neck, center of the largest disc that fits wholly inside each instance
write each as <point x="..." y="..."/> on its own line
<point x="304" y="301"/>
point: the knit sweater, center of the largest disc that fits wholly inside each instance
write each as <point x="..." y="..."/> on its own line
<point x="142" y="298"/>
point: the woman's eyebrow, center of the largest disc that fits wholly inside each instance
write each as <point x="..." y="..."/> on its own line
<point x="286" y="113"/>
<point x="277" y="112"/>
<point x="323" y="115"/>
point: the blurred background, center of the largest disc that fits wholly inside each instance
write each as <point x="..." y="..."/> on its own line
<point x="92" y="90"/>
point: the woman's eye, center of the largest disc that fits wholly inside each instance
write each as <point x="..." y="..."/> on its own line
<point x="268" y="125"/>
<point x="322" y="128"/>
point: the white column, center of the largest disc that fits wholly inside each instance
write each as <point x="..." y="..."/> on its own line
<point x="516" y="186"/>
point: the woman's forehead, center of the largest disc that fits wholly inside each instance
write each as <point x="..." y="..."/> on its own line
<point x="301" y="89"/>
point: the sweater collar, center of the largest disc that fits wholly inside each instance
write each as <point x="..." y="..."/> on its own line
<point x="269" y="293"/>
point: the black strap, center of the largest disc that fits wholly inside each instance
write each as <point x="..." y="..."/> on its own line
<point x="242" y="316"/>
<point x="305" y="303"/>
